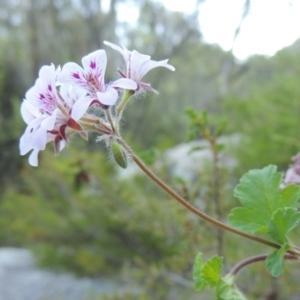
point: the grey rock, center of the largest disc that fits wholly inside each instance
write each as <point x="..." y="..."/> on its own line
<point x="20" y="279"/>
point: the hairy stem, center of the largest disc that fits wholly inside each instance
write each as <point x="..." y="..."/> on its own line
<point x="193" y="209"/>
<point x="126" y="96"/>
<point x="254" y="259"/>
<point x="109" y="119"/>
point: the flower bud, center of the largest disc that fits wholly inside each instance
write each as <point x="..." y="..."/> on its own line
<point x="119" y="155"/>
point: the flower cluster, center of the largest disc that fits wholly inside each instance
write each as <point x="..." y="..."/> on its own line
<point x="58" y="105"/>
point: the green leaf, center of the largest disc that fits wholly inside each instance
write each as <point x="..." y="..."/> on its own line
<point x="207" y="274"/>
<point x="282" y="222"/>
<point x="259" y="192"/>
<point x="274" y="261"/>
<point x="199" y="283"/>
<point x="226" y="290"/>
<point x="246" y="220"/>
<point x="211" y="271"/>
<point x="260" y="188"/>
<point x="289" y="196"/>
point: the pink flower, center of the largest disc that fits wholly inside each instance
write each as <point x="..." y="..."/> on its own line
<point x="43" y="95"/>
<point x="292" y="175"/>
<point x="35" y="136"/>
<point x="91" y="79"/>
<point x="47" y="114"/>
<point x="39" y="110"/>
<point x="138" y="65"/>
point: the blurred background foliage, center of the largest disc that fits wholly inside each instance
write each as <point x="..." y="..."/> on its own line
<point x="74" y="211"/>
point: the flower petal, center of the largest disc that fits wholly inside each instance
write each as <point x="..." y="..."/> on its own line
<point x="80" y="107"/>
<point x="136" y="61"/>
<point x="33" y="158"/>
<point x="151" y="64"/>
<point x="48" y="73"/>
<point x="125" y="52"/>
<point x="24" y="145"/>
<point x="58" y="70"/>
<point x="94" y="65"/>
<point x="71" y="94"/>
<point x="49" y="122"/>
<point x="109" y="97"/>
<point x="125" y="83"/>
<point x="28" y="111"/>
<point x="72" y="73"/>
<point x="43" y="94"/>
<point x="33" y="94"/>
<point x="115" y="47"/>
<point x="33" y="140"/>
<point x="39" y="139"/>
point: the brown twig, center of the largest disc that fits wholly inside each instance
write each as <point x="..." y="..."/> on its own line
<point x="193" y="209"/>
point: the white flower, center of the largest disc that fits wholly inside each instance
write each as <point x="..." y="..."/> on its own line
<point x="91" y="79"/>
<point x="39" y="110"/>
<point x="138" y="65"/>
<point x="48" y="114"/>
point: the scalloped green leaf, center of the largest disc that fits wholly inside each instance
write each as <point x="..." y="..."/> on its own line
<point x="208" y="273"/>
<point x="290" y="196"/>
<point x="282" y="222"/>
<point x="259" y="192"/>
<point x="246" y="220"/>
<point x="274" y="261"/>
<point x="211" y="270"/>
<point x="199" y="283"/>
